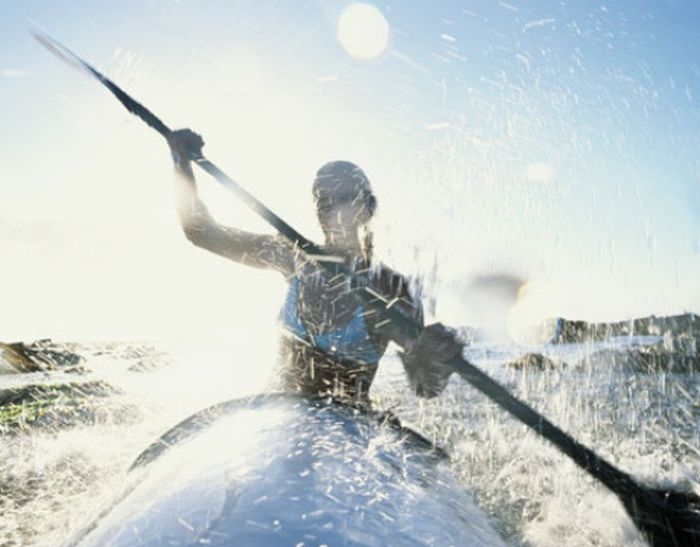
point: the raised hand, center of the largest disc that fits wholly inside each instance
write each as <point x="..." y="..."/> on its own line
<point x="185" y="145"/>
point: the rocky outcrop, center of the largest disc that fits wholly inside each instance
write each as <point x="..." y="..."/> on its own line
<point x="37" y="356"/>
<point x="678" y="349"/>
<point x="646" y="360"/>
<point x="144" y="357"/>
<point x="685" y="326"/>
<point x="47" y="392"/>
<point x="12" y="360"/>
<point x="534" y="361"/>
<point x="62" y="405"/>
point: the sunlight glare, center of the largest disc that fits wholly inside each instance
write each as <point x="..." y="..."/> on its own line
<point x="363" y="31"/>
<point x="536" y="302"/>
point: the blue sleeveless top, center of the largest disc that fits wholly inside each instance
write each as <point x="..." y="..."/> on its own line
<point x="351" y="341"/>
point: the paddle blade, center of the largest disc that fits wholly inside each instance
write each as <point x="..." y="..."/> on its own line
<point x="62" y="52"/>
<point x="133" y="106"/>
<point x="666" y="518"/>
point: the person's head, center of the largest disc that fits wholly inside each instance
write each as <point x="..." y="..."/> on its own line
<point x="344" y="203"/>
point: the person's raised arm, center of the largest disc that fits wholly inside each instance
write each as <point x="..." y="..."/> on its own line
<point x="257" y="250"/>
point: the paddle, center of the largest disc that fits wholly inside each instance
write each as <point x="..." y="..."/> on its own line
<point x="664" y="516"/>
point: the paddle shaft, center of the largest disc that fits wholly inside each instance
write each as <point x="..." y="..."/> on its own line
<point x="306" y="245"/>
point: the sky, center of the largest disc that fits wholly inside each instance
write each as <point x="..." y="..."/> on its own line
<point x="552" y="141"/>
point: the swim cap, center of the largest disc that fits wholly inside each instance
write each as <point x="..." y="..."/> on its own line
<point x="339" y="182"/>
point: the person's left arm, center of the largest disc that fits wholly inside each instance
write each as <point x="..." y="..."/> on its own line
<point x="422" y="357"/>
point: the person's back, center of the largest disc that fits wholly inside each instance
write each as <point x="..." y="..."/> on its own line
<point x="331" y="343"/>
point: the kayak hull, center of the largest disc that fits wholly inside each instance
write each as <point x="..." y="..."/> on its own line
<point x="284" y="470"/>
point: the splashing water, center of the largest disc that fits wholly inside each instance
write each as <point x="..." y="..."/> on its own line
<point x="555" y="140"/>
<point x="54" y="475"/>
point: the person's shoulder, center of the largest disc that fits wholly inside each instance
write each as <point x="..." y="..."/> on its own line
<point x="401" y="290"/>
<point x="282" y="253"/>
<point x="392" y="282"/>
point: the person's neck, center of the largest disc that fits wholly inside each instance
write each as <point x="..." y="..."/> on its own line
<point x="348" y="248"/>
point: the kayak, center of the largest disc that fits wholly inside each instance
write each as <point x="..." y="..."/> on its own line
<point x="286" y="470"/>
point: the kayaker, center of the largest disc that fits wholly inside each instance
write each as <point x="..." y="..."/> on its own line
<point x="331" y="345"/>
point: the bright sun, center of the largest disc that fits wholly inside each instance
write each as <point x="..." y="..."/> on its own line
<point x="363" y="31"/>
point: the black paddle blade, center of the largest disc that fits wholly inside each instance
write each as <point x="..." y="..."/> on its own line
<point x="666" y="518"/>
<point x="133" y="106"/>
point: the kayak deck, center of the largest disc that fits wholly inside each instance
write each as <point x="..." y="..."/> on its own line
<point x="290" y="471"/>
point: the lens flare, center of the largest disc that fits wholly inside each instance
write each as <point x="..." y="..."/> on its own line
<point x="363" y="31"/>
